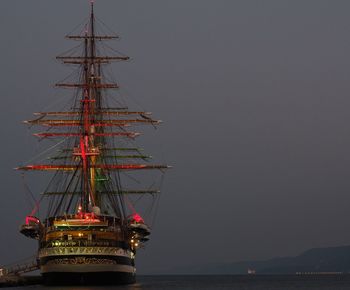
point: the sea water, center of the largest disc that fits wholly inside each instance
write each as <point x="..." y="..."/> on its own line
<point x="244" y="282"/>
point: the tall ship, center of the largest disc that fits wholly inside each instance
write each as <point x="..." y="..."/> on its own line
<point x="90" y="227"/>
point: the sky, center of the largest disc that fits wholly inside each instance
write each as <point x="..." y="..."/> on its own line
<point x="255" y="99"/>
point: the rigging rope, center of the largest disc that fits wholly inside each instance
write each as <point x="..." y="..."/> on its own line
<point x="36" y="202"/>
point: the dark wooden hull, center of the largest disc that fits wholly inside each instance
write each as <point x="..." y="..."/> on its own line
<point x="92" y="278"/>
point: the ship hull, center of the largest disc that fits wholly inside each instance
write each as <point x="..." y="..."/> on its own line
<point x="96" y="268"/>
<point x="88" y="278"/>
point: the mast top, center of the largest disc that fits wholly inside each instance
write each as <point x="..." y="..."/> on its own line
<point x="92" y="6"/>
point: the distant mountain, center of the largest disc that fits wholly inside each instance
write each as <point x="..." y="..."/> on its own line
<point x="334" y="259"/>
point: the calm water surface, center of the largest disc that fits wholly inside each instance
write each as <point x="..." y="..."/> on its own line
<point x="331" y="282"/>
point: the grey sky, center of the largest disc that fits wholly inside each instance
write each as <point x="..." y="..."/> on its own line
<point x="255" y="97"/>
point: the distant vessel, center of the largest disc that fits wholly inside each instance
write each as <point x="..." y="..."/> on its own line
<point x="251" y="271"/>
<point x="91" y="231"/>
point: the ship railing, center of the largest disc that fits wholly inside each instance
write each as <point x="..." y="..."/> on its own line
<point x="90" y="227"/>
<point x="80" y="243"/>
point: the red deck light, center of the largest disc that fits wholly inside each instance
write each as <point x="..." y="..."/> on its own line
<point x="137" y="218"/>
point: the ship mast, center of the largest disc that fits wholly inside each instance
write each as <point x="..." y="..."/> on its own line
<point x="91" y="126"/>
<point x="87" y="142"/>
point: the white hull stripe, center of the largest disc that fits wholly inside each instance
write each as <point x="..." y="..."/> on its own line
<point x="67" y="251"/>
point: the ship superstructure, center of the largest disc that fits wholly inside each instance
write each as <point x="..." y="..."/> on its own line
<point x="91" y="231"/>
